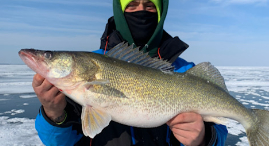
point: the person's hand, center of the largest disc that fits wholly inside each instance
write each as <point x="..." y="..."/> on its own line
<point x="188" y="128"/>
<point x="50" y="97"/>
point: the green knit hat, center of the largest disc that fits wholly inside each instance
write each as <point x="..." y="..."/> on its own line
<point x="157" y="4"/>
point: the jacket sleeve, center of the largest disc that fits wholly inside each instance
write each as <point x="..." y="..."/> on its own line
<point x="182" y="65"/>
<point x="215" y="134"/>
<point x="52" y="134"/>
<point x="221" y="132"/>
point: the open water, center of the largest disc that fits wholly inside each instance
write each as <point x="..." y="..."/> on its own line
<point x="19" y="105"/>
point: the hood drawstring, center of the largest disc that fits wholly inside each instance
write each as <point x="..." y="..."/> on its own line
<point x="106" y="44"/>
<point x="159" y="53"/>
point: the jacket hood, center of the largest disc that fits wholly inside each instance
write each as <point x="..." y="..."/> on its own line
<point x="122" y="27"/>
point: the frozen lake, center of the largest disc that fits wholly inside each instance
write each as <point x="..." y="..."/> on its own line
<point x="19" y="105"/>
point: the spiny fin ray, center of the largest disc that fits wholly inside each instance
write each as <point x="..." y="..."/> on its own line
<point x="132" y="55"/>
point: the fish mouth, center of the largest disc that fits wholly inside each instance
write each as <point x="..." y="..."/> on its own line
<point x="27" y="53"/>
<point x="29" y="57"/>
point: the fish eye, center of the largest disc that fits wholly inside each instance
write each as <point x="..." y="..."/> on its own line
<point x="48" y="54"/>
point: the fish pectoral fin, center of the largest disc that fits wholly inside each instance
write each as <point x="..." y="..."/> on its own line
<point x="106" y="90"/>
<point x="88" y="85"/>
<point x="93" y="121"/>
<point x="217" y="120"/>
<point x="98" y="82"/>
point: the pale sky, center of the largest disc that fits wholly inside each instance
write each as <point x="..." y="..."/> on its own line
<point x="223" y="32"/>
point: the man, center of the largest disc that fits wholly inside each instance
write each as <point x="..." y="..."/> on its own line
<point x="139" y="22"/>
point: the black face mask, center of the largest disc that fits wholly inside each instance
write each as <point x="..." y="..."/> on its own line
<point x="142" y="25"/>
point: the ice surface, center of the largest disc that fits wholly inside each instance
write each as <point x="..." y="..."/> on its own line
<point x="13" y="112"/>
<point x="17" y="87"/>
<point x="240" y="79"/>
<point x="254" y="102"/>
<point x="28" y="96"/>
<point x="243" y="142"/>
<point x="18" y="132"/>
<point x="235" y="128"/>
<point x="265" y="97"/>
<point x="4" y="99"/>
<point x="15" y="79"/>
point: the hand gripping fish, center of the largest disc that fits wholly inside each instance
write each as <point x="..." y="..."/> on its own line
<point x="129" y="87"/>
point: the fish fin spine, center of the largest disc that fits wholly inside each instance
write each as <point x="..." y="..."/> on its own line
<point x="133" y="55"/>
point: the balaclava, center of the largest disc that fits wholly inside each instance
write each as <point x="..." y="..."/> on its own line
<point x="153" y="35"/>
<point x="142" y="24"/>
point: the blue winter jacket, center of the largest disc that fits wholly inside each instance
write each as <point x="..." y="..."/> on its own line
<point x="64" y="136"/>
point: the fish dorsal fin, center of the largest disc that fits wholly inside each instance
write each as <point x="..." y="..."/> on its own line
<point x="132" y="55"/>
<point x="209" y="73"/>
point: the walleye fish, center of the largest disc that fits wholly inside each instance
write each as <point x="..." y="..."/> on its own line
<point x="129" y="87"/>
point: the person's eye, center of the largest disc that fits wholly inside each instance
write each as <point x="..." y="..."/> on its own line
<point x="131" y="5"/>
<point x="150" y="6"/>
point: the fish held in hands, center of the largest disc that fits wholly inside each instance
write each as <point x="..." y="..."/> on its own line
<point x="129" y="87"/>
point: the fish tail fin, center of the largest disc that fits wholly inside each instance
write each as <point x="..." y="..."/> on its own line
<point x="258" y="133"/>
